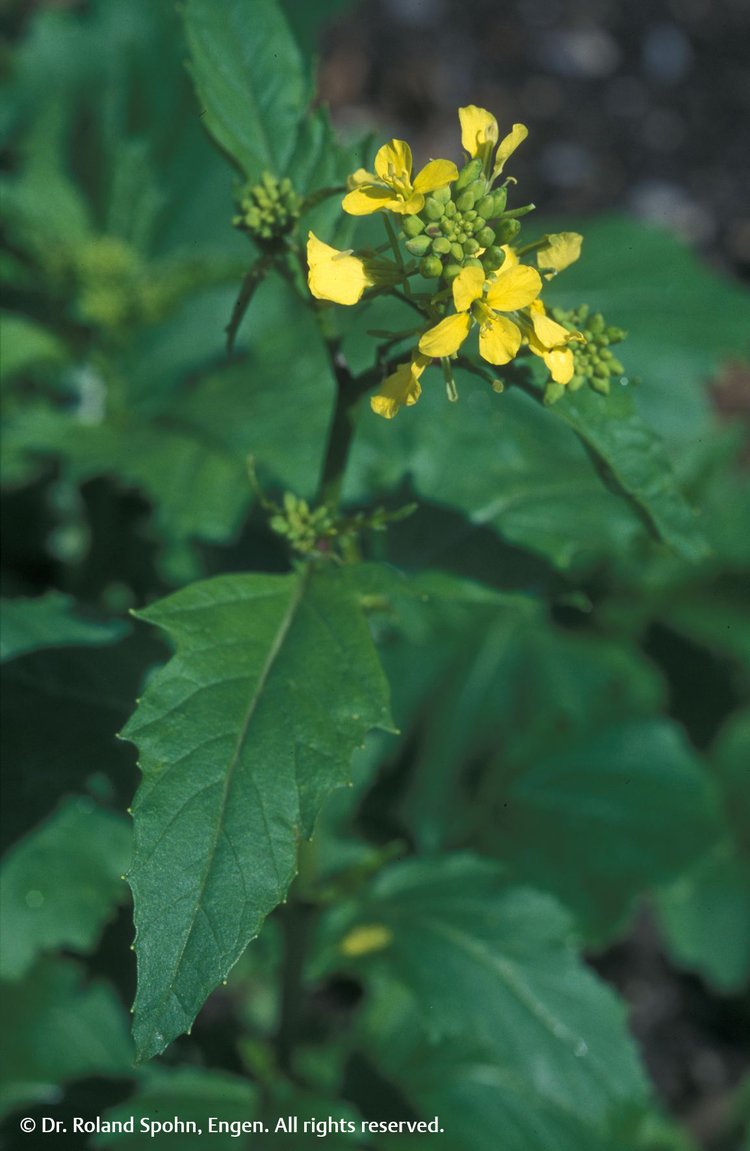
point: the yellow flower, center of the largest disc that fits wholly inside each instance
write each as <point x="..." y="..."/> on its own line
<point x="550" y="340"/>
<point x="559" y="251"/>
<point x="334" y="275"/>
<point x="480" y="134"/>
<point x="391" y="187"/>
<point x="499" y="337"/>
<point x="401" y="389"/>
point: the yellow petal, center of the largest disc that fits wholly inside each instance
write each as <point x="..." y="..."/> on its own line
<point x="393" y="162"/>
<point x="446" y="337"/>
<point x="467" y="287"/>
<point x="548" y="332"/>
<point x="406" y="207"/>
<point x="367" y="199"/>
<point x="514" y="288"/>
<point x="400" y="389"/>
<point x="499" y="339"/>
<point x="434" y="175"/>
<point x="560" y="364"/>
<point x="360" y="177"/>
<point x="511" y="258"/>
<point x="478" y="130"/>
<point x="334" y="275"/>
<point x="560" y="251"/>
<point x="507" y="147"/>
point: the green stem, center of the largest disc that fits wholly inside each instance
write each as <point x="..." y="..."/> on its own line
<point x="295" y="923"/>
<point x="349" y="392"/>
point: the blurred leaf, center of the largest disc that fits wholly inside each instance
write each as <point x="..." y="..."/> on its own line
<point x="61" y="884"/>
<point x="310" y="20"/>
<point x="56" y="1028"/>
<point x="250" y="80"/>
<point x="705" y="915"/>
<point x="238" y="753"/>
<point x="60" y="711"/>
<point x="682" y="318"/>
<point x="50" y="621"/>
<point x="635" y="456"/>
<point x="588" y="822"/>
<point x="495" y="982"/>
<point x="504" y="462"/>
<point x="25" y="345"/>
<point x="194" y="1094"/>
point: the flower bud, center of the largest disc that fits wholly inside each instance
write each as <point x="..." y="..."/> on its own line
<point x="486" y="207"/>
<point x="486" y="237"/>
<point x="465" y="200"/>
<point x="450" y="209"/>
<point x="493" y="258"/>
<point x="411" y="226"/>
<point x="442" y="195"/>
<point x="430" y="267"/>
<point x="433" y="209"/>
<point x="441" y="246"/>
<point x="499" y="200"/>
<point x="468" y="174"/>
<point x="450" y="271"/>
<point x="470" y="247"/>
<point x="507" y="231"/>
<point x="419" y="245"/>
<point x="457" y="252"/>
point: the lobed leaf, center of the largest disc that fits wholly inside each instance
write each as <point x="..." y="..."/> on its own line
<point x="274" y="682"/>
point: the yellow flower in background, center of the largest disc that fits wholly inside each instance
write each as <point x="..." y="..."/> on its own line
<point x="550" y="340"/>
<point x="480" y="134"/>
<point x="334" y="275"/>
<point x="499" y="337"/>
<point x="559" y="251"/>
<point x="391" y="187"/>
<point x="401" y="389"/>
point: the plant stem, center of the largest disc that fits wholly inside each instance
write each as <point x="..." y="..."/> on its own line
<point x="295" y="923"/>
<point x="349" y="392"/>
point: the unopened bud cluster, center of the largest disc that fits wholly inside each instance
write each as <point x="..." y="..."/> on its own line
<point x="594" y="362"/>
<point x="463" y="224"/>
<point x="268" y="210"/>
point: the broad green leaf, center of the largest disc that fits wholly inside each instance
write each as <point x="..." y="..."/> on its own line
<point x="195" y="1095"/>
<point x="250" y="80"/>
<point x="57" y="1028"/>
<point x="588" y="822"/>
<point x="50" y="621"/>
<point x="705" y="915"/>
<point x="505" y="463"/>
<point x="274" y="683"/>
<point x="491" y="971"/>
<point x="682" y="318"/>
<point x="61" y="883"/>
<point x="310" y="20"/>
<point x="635" y="457"/>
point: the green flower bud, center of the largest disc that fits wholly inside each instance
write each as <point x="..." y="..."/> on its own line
<point x="493" y="258"/>
<point x="616" y="367"/>
<point x="450" y="271"/>
<point x="441" y="246"/>
<point x="419" y="245"/>
<point x="411" y="226"/>
<point x="486" y="237"/>
<point x="499" y="200"/>
<point x="450" y="209"/>
<point x="457" y="252"/>
<point x="507" y="231"/>
<point x="486" y="207"/>
<point x="470" y="215"/>
<point x="430" y="267"/>
<point x="553" y="392"/>
<point x="470" y="247"/>
<point x="595" y="324"/>
<point x="465" y="200"/>
<point x="468" y="174"/>
<point x="433" y="209"/>
<point x="473" y="263"/>
<point x="462" y="237"/>
<point x="442" y="195"/>
<point x="599" y="384"/>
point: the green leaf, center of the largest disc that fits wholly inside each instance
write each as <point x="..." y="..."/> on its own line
<point x="57" y="1028"/>
<point x="193" y="1094"/>
<point x="274" y="683"/>
<point x="682" y="318"/>
<point x="636" y="459"/>
<point x="505" y="463"/>
<point x="49" y="621"/>
<point x="588" y="823"/>
<point x="491" y="973"/>
<point x="250" y="80"/>
<point x="60" y="885"/>
<point x="26" y="344"/>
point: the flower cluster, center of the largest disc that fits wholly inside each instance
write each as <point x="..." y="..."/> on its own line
<point x="465" y="270"/>
<point x="268" y="210"/>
